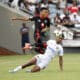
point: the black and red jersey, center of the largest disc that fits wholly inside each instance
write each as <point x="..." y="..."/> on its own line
<point x="40" y="24"/>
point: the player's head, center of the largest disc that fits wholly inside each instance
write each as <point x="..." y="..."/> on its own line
<point x="59" y="38"/>
<point x="44" y="12"/>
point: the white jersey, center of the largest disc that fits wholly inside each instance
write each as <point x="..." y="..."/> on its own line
<point x="51" y="51"/>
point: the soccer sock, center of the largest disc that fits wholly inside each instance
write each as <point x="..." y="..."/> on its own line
<point x="28" y="70"/>
<point x="17" y="68"/>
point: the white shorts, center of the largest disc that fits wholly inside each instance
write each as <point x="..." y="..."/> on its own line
<point x="42" y="61"/>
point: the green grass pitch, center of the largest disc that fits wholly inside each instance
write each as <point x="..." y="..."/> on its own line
<point x="52" y="72"/>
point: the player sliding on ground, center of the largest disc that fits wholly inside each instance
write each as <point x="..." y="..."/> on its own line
<point x="40" y="61"/>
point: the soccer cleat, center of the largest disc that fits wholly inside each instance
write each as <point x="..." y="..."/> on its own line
<point x="12" y="71"/>
<point x="28" y="70"/>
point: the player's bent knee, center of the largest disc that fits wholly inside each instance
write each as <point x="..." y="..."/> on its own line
<point x="36" y="69"/>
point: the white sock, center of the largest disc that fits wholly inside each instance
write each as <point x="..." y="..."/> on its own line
<point x="17" y="68"/>
<point x="28" y="70"/>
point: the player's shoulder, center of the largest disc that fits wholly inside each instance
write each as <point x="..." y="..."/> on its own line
<point x="51" y="42"/>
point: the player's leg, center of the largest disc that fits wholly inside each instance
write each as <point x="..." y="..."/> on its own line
<point x="34" y="69"/>
<point x="29" y="63"/>
<point x="41" y="63"/>
<point x="38" y="65"/>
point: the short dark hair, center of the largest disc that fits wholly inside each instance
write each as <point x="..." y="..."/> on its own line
<point x="43" y="8"/>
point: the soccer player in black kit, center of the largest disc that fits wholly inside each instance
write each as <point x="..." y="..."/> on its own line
<point x="42" y="26"/>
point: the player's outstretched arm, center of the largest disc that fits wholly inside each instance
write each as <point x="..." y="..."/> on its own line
<point x="20" y="18"/>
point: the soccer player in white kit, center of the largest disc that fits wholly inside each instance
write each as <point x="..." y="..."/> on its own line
<point x="41" y="61"/>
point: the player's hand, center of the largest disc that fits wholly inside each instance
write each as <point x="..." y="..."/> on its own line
<point x="43" y="30"/>
<point x="27" y="46"/>
<point x="13" y="18"/>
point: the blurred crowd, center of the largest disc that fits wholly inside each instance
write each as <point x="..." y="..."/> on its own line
<point x="58" y="9"/>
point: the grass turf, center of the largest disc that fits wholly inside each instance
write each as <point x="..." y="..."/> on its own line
<point x="52" y="72"/>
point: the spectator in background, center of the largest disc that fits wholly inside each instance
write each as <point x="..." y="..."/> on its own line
<point x="14" y="4"/>
<point x="67" y="22"/>
<point x="31" y="5"/>
<point x="21" y="3"/>
<point x="9" y="2"/>
<point x="65" y="11"/>
<point x="75" y="18"/>
<point x="52" y="8"/>
<point x="44" y="3"/>
<point x="69" y="2"/>
<point x="57" y="19"/>
<point x="37" y="9"/>
<point x="74" y="8"/>
<point x="24" y="31"/>
<point x="62" y="4"/>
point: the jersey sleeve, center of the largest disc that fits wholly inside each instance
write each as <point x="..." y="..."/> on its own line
<point x="32" y="19"/>
<point x="48" y="23"/>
